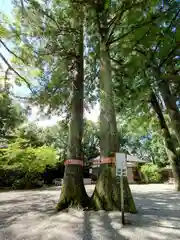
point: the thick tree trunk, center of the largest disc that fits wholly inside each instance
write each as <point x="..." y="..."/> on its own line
<point x="73" y="191"/>
<point x="170" y="103"/>
<point x="171" y="150"/>
<point x="107" y="194"/>
<point x="107" y="191"/>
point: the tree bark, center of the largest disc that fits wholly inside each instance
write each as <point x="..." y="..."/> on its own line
<point x="107" y="191"/>
<point x="171" y="150"/>
<point x="170" y="103"/>
<point x="73" y="192"/>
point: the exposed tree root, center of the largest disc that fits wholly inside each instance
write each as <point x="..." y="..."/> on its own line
<point x="73" y="193"/>
<point x="107" y="194"/>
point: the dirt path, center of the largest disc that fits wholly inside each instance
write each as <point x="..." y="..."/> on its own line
<point x="29" y="215"/>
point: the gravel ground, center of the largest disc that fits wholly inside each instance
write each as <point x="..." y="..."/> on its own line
<point x="29" y="215"/>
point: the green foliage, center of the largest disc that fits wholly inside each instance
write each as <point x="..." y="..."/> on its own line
<point x="11" y="115"/>
<point x="33" y="135"/>
<point x="25" y="166"/>
<point x="151" y="173"/>
<point x="56" y="29"/>
<point x="140" y="135"/>
<point x="90" y="140"/>
<point x="57" y="137"/>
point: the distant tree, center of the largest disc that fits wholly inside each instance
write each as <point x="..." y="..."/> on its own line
<point x="33" y="134"/>
<point x="11" y="116"/>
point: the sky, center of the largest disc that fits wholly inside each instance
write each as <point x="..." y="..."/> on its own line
<point x="7" y="8"/>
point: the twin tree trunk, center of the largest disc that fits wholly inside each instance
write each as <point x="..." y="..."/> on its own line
<point x="171" y="150"/>
<point x="106" y="195"/>
<point x="73" y="193"/>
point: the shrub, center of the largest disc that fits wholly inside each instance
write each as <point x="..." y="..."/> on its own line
<point x="23" y="183"/>
<point x="24" y="167"/>
<point x="151" y="173"/>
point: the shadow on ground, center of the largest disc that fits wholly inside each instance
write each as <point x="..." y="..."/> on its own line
<point x="98" y="225"/>
<point x="31" y="215"/>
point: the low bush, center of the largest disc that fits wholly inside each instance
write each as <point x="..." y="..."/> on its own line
<point x="151" y="173"/>
<point x="22" y="168"/>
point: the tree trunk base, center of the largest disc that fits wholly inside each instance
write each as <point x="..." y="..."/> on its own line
<point x="73" y="193"/>
<point x="107" y="194"/>
<point x="176" y="171"/>
<point x="177" y="187"/>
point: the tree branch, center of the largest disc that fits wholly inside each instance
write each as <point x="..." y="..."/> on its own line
<point x="160" y="40"/>
<point x="170" y="77"/>
<point x="10" y="51"/>
<point x="114" y="22"/>
<point x="135" y="28"/>
<point x="140" y="51"/>
<point x="6" y="75"/>
<point x="169" y="55"/>
<point x="124" y="8"/>
<point x="11" y="68"/>
<point x="119" y="62"/>
<point x="60" y="28"/>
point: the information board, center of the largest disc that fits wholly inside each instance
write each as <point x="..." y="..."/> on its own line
<point x="121" y="164"/>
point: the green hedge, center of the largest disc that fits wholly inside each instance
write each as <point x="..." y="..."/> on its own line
<point x="151" y="173"/>
<point x="24" y="167"/>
